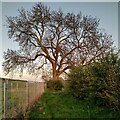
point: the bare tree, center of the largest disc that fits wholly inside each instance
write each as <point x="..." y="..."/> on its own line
<point x="62" y="40"/>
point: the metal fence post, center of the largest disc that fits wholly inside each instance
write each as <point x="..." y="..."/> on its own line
<point x="27" y="93"/>
<point x="1" y="114"/>
<point x="5" y="97"/>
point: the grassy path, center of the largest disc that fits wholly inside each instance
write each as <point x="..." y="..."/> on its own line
<point x="61" y="105"/>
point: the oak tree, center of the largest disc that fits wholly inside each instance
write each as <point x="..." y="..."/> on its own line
<point x="57" y="38"/>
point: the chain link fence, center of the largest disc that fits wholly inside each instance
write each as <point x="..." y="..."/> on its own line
<point x="19" y="96"/>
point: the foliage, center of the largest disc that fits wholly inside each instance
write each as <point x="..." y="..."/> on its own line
<point x="98" y="82"/>
<point x="78" y="83"/>
<point x="58" y="39"/>
<point x="61" y="105"/>
<point x="55" y="85"/>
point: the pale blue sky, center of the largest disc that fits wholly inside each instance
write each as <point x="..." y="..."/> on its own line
<point x="106" y="11"/>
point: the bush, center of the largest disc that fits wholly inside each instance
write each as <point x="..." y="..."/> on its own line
<point x="55" y="85"/>
<point x="106" y="74"/>
<point x="98" y="82"/>
<point x="78" y="82"/>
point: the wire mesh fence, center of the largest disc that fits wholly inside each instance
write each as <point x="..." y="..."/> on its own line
<point x="18" y="96"/>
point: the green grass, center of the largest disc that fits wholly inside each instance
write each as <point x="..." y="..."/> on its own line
<point x="61" y="105"/>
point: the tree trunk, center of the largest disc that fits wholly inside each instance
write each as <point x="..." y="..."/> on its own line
<point x="55" y="77"/>
<point x="55" y="73"/>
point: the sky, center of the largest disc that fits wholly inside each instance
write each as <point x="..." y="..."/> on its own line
<point x="107" y="12"/>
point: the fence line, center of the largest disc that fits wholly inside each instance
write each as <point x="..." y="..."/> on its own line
<point x="19" y="96"/>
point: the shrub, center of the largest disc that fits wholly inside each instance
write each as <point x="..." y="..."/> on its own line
<point x="79" y="84"/>
<point x="98" y="82"/>
<point x="55" y="85"/>
<point x="106" y="74"/>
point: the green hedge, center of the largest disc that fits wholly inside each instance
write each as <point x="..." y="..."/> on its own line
<point x="98" y="82"/>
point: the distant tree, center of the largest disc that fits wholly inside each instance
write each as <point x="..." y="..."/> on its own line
<point x="62" y="40"/>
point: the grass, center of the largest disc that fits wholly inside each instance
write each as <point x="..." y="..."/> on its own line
<point x="62" y="105"/>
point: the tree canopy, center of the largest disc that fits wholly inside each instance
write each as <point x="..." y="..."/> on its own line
<point x="53" y="37"/>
